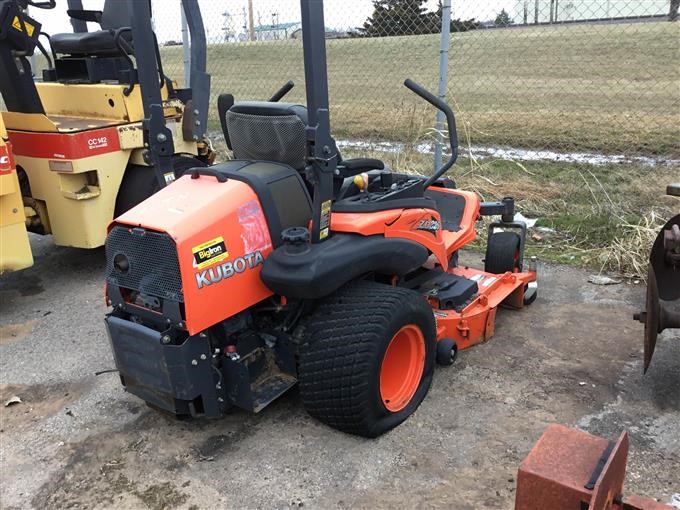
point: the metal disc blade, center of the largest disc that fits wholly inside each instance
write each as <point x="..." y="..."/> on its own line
<point x="652" y="322"/>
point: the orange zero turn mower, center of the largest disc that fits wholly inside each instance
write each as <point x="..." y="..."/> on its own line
<point x="290" y="264"/>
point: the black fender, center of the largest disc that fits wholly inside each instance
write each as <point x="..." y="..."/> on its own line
<point x="316" y="270"/>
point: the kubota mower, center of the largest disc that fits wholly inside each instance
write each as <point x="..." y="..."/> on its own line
<point x="104" y="128"/>
<point x="291" y="264"/>
<point x="662" y="304"/>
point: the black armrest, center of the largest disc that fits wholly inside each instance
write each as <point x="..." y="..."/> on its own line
<point x="351" y="167"/>
<point x="85" y="15"/>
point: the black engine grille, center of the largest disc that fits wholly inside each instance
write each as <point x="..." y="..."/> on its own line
<point x="153" y="264"/>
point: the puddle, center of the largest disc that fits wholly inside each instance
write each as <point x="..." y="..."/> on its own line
<point x="514" y="154"/>
<point x="511" y="153"/>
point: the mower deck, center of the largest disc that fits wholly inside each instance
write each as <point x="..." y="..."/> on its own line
<point x="473" y="323"/>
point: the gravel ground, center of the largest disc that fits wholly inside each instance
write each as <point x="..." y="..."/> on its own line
<point x="78" y="441"/>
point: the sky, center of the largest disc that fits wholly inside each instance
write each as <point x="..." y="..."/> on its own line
<point x="342" y="14"/>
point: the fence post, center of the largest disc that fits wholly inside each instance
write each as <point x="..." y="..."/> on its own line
<point x="186" y="49"/>
<point x="443" y="78"/>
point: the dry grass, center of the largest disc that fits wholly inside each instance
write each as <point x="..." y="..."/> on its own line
<point x="629" y="253"/>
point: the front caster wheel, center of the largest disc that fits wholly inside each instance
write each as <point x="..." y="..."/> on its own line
<point x="447" y="351"/>
<point x="530" y="293"/>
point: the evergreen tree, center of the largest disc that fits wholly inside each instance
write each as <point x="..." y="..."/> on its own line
<point x="503" y="19"/>
<point x="400" y="17"/>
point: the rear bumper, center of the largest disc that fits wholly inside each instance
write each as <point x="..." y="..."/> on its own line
<point x="176" y="378"/>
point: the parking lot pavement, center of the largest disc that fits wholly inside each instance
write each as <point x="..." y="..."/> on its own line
<point x="78" y="440"/>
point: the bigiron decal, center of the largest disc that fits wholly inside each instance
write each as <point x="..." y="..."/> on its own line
<point x="210" y="252"/>
<point x="228" y="269"/>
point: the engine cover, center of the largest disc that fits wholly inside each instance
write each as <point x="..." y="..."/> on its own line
<point x="217" y="232"/>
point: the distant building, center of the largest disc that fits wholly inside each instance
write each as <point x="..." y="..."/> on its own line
<point x="277" y="32"/>
<point x="577" y="10"/>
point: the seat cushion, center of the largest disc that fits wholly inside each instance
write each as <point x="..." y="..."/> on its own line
<point x="101" y="42"/>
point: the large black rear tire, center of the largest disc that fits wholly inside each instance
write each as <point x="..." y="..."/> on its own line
<point x="343" y="359"/>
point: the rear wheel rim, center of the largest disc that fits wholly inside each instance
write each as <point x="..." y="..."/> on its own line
<point x="402" y="368"/>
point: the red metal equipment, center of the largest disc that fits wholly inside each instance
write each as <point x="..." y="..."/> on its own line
<point x="568" y="469"/>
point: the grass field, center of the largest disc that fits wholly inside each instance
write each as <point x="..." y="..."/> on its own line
<point x="601" y="88"/>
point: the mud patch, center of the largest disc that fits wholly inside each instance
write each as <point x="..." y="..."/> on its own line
<point x="106" y="470"/>
<point x="38" y="401"/>
<point x="216" y="446"/>
<point x="10" y="333"/>
<point x="161" y="496"/>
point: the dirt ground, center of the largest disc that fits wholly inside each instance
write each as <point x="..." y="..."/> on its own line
<point x="78" y="441"/>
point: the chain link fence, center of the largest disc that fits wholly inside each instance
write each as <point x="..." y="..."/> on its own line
<point x="528" y="78"/>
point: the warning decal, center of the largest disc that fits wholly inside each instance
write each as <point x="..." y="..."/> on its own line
<point x="16" y="24"/>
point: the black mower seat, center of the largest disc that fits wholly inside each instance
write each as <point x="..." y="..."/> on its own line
<point x="273" y="131"/>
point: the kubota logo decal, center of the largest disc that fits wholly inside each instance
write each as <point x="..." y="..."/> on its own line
<point x="218" y="273"/>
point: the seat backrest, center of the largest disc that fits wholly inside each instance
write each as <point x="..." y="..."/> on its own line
<point x="259" y="130"/>
<point x="116" y="14"/>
